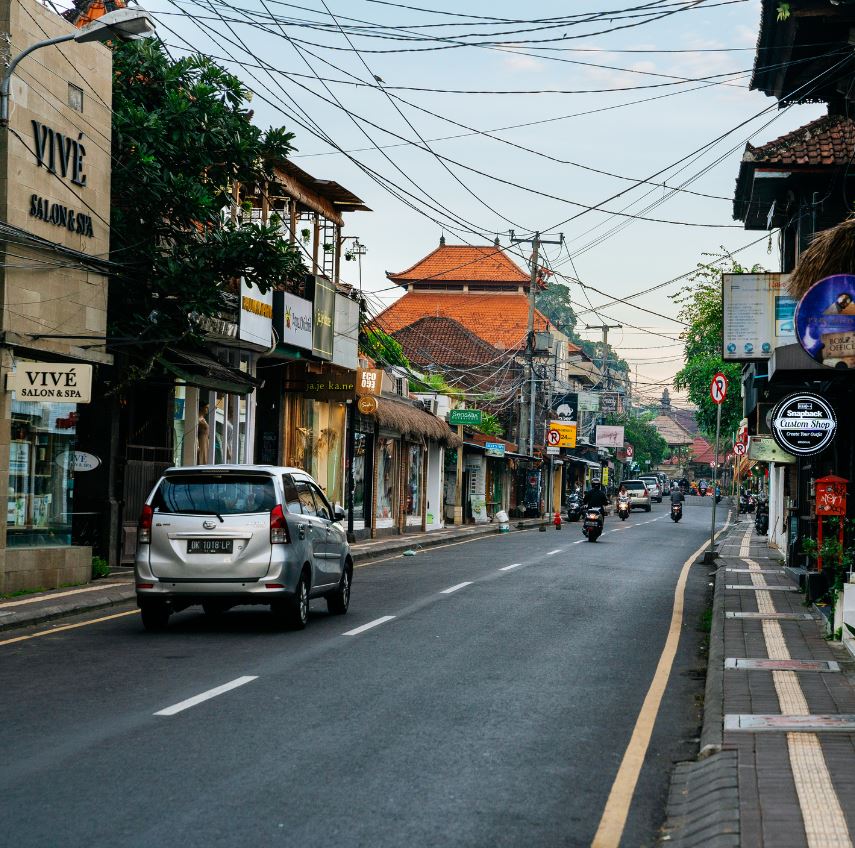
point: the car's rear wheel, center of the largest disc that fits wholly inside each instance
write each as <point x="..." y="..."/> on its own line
<point x="155" y="616"/>
<point x="648" y="508"/>
<point x="293" y="612"/>
<point x="339" y="601"/>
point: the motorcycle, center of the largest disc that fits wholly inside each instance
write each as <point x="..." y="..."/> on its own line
<point x="761" y="519"/>
<point x="676" y="511"/>
<point x="575" y="507"/>
<point x="592" y="526"/>
<point x="743" y="504"/>
<point x="623" y="507"/>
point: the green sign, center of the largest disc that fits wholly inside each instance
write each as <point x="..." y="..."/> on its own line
<point x="472" y="417"/>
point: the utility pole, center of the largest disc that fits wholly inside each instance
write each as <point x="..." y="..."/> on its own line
<point x="605" y="358"/>
<point x="528" y="417"/>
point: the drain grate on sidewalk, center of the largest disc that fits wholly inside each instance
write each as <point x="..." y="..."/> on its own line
<point x="758" y="723"/>
<point x="763" y="664"/>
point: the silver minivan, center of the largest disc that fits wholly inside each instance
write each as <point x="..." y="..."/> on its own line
<point x="226" y="535"/>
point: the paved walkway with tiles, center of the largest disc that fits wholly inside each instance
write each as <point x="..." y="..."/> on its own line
<point x="777" y="767"/>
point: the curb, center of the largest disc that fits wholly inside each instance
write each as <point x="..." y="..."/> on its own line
<point x="712" y="729"/>
<point x="116" y="596"/>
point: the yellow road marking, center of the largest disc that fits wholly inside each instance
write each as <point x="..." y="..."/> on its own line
<point x="68" y="627"/>
<point x="613" y="820"/>
<point x="35" y="600"/>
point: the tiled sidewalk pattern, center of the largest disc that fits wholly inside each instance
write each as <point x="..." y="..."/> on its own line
<point x="789" y="788"/>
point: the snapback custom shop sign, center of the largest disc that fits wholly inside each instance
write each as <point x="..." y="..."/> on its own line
<point x="804" y="424"/>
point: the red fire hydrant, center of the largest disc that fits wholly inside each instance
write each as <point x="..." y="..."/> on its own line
<point x="557" y="521"/>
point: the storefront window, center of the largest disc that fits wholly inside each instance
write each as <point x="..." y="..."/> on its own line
<point x="319" y="445"/>
<point x="414" y="481"/>
<point x="386" y="483"/>
<point x="41" y="474"/>
<point x="362" y="452"/>
<point x="179" y="424"/>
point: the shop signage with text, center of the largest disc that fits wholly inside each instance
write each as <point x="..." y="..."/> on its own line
<point x="758" y="315"/>
<point x="825" y="321"/>
<point x="462" y="417"/>
<point x="765" y="450"/>
<point x="804" y="424"/>
<point x="323" y="331"/>
<point x="565" y="408"/>
<point x="256" y="315"/>
<point x="494" y="449"/>
<point x="292" y="320"/>
<point x="369" y="381"/>
<point x="51" y="381"/>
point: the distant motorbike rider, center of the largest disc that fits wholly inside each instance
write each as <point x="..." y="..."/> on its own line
<point x="677" y="495"/>
<point x="595" y="497"/>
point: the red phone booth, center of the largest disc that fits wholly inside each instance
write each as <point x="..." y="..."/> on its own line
<point x="830" y="501"/>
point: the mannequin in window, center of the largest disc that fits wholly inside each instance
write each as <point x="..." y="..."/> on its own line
<point x="202" y="434"/>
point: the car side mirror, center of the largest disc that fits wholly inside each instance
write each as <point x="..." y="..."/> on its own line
<point x="339" y="513"/>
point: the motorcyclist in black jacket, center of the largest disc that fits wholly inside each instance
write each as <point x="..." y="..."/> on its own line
<point x="596" y="497"/>
<point x="677" y="496"/>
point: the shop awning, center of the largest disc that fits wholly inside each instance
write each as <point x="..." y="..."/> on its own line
<point x="197" y="369"/>
<point x="414" y="423"/>
<point x="579" y="459"/>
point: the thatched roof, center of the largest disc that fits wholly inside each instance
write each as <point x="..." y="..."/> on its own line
<point x="413" y="423"/>
<point x="831" y="252"/>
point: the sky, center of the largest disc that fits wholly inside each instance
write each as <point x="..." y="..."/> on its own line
<point x="526" y="117"/>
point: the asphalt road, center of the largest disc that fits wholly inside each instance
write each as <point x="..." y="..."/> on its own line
<point x="491" y="708"/>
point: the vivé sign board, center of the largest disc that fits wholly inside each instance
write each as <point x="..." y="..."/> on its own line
<point x="51" y="381"/>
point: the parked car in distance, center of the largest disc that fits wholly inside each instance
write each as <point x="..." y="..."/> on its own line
<point x="639" y="494"/>
<point x="227" y="535"/>
<point x="653" y="486"/>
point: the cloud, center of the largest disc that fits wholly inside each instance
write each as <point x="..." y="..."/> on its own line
<point x="521" y="62"/>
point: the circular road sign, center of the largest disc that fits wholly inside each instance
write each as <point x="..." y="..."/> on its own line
<point x="804" y="424"/>
<point x="553" y="437"/>
<point x="718" y="388"/>
<point x="630" y="451"/>
<point x="739" y="449"/>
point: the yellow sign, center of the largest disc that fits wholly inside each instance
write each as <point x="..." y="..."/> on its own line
<point x="605" y="480"/>
<point x="560" y="435"/>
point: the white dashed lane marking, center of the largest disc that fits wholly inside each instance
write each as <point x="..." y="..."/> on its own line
<point x="377" y="621"/>
<point x="451" y="589"/>
<point x="512" y="565"/>
<point x="204" y="696"/>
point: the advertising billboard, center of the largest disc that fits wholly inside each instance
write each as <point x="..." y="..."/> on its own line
<point x="758" y="315"/>
<point x="609" y="436"/>
<point x="825" y="321"/>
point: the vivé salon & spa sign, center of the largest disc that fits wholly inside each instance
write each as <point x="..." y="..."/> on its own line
<point x="62" y="155"/>
<point x="51" y="381"/>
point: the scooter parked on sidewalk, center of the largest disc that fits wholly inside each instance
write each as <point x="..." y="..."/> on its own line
<point x="575" y="507"/>
<point x="676" y="511"/>
<point x="592" y="526"/>
<point x="623" y="507"/>
<point x="761" y="518"/>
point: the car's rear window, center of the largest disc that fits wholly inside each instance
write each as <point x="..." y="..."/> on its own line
<point x="207" y="494"/>
<point x="634" y="485"/>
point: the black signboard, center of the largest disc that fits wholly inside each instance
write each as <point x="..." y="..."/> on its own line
<point x="804" y="424"/>
<point x="565" y="408"/>
<point x="323" y="329"/>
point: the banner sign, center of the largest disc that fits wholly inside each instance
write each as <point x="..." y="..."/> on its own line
<point x="609" y="436"/>
<point x="323" y="329"/>
<point x="758" y="315"/>
<point x="51" y="381"/>
<point x="825" y="321"/>
<point x="565" y="408"/>
<point x="588" y="402"/>
<point x="256" y="315"/>
<point x="560" y="435"/>
<point x="804" y="424"/>
<point x="610" y="403"/>
<point x="369" y="381"/>
<point x="494" y="449"/>
<point x="292" y="319"/>
<point x="766" y="450"/>
<point x="470" y="417"/>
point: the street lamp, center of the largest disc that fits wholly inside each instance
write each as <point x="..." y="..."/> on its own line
<point x="126" y="24"/>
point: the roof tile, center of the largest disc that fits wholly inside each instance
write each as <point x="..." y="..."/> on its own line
<point x="463" y="263"/>
<point x="829" y="140"/>
<point x="500" y="319"/>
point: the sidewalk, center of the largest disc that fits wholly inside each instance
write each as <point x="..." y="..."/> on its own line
<point x="118" y="588"/>
<point x="777" y="763"/>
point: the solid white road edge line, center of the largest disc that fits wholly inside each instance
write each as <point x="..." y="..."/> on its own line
<point x="205" y="696"/>
<point x="368" y="626"/>
<point x="451" y="589"/>
<point x="512" y="565"/>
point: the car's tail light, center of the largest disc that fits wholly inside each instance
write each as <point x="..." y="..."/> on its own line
<point x="144" y="526"/>
<point x="646" y="493"/>
<point x="278" y="527"/>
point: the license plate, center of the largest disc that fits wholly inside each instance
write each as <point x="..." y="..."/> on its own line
<point x="209" y="546"/>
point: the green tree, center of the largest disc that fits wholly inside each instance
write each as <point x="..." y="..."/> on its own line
<point x="648" y="445"/>
<point x="182" y="138"/>
<point x="701" y="308"/>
